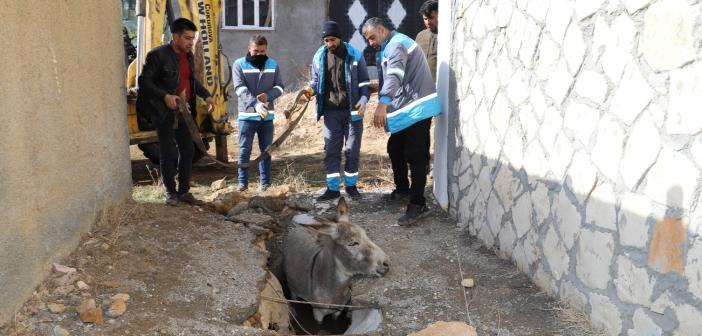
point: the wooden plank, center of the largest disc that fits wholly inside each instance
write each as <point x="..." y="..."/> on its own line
<point x="221" y="147"/>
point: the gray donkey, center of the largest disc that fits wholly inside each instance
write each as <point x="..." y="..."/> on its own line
<point x="319" y="261"/>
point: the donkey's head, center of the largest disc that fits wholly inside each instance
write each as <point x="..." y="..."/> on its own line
<point x="353" y="251"/>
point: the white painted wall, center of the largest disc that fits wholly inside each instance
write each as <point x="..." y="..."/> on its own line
<point x="578" y="135"/>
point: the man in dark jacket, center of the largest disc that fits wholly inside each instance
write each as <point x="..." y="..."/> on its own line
<point x="427" y="38"/>
<point x="167" y="76"/>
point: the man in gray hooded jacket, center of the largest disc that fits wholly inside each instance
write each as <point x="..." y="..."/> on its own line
<point x="407" y="102"/>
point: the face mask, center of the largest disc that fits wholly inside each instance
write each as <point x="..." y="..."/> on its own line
<point x="258" y="61"/>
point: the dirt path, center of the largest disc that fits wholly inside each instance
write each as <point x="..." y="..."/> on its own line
<point x="186" y="271"/>
<point x="424" y="283"/>
<point x="429" y="261"/>
<point x="191" y="272"/>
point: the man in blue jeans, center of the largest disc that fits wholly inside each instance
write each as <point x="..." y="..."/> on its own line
<point x="340" y="82"/>
<point x="257" y="84"/>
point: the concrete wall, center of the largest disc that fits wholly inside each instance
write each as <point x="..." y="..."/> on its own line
<point x="292" y="43"/>
<point x="63" y="135"/>
<point x="578" y="151"/>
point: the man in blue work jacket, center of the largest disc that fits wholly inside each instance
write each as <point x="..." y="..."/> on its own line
<point x="407" y="102"/>
<point x="341" y="85"/>
<point x="257" y="83"/>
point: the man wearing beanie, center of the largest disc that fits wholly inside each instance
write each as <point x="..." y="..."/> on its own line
<point x="341" y="85"/>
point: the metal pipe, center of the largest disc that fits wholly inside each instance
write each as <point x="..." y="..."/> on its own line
<point x="140" y="14"/>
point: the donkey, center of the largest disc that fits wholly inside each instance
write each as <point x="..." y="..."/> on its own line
<point x="320" y="260"/>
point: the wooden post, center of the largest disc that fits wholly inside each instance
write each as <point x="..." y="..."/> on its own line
<point x="221" y="146"/>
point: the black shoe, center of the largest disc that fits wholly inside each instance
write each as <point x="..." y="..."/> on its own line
<point x="397" y="195"/>
<point x="413" y="214"/>
<point x="328" y="195"/>
<point x="172" y="200"/>
<point x="190" y="199"/>
<point x="352" y="191"/>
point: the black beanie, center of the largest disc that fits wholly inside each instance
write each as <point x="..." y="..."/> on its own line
<point x="331" y="28"/>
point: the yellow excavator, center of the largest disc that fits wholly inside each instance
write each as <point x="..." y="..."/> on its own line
<point x="149" y="20"/>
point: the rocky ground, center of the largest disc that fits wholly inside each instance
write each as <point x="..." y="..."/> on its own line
<point x="156" y="270"/>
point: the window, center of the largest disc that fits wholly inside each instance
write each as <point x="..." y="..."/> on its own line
<point x="249" y="14"/>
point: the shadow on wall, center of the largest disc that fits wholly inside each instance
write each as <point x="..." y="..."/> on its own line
<point x="627" y="261"/>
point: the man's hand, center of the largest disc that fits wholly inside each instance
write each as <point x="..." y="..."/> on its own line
<point x="263" y="98"/>
<point x="361" y="105"/>
<point x="262" y="110"/>
<point x="171" y="101"/>
<point x="309" y="92"/>
<point x="380" y="117"/>
<point x="210" y="104"/>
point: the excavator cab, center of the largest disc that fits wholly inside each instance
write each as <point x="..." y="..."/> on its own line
<point x="146" y="26"/>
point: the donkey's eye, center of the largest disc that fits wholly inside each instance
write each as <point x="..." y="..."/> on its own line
<point x="353" y="244"/>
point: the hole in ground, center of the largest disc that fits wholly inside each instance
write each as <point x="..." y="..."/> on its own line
<point x="354" y="322"/>
<point x="329" y="326"/>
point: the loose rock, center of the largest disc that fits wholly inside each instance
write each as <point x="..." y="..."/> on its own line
<point x="65" y="279"/>
<point x="93" y="315"/>
<point x="468" y="282"/>
<point x="86" y="305"/>
<point x="238" y="209"/>
<point x="257" y="230"/>
<point x="219" y="184"/>
<point x="58" y="331"/>
<point x="82" y="285"/>
<point x="442" y="328"/>
<point x="304" y="219"/>
<point x="63" y="290"/>
<point x="63" y="269"/>
<point x="105" y="246"/>
<point x="120" y="296"/>
<point x="226" y="201"/>
<point x="117" y="308"/>
<point x="300" y="204"/>
<point x="56" y="308"/>
<point x="252" y="218"/>
<point x="89" y="313"/>
<point x="267" y="202"/>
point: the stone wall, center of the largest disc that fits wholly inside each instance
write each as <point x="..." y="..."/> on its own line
<point x="577" y="133"/>
<point x="63" y="134"/>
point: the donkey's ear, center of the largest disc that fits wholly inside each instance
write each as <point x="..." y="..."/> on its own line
<point x="326" y="229"/>
<point x="342" y="209"/>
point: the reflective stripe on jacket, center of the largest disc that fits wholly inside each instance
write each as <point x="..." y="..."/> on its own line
<point x="406" y="84"/>
<point x="249" y="82"/>
<point x="357" y="82"/>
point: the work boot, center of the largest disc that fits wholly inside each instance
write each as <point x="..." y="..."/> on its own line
<point x="397" y="195"/>
<point x="413" y="214"/>
<point x="190" y="199"/>
<point x="172" y="200"/>
<point x="329" y="195"/>
<point x="352" y="191"/>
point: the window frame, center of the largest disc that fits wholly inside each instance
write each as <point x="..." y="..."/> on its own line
<point x="240" y="17"/>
